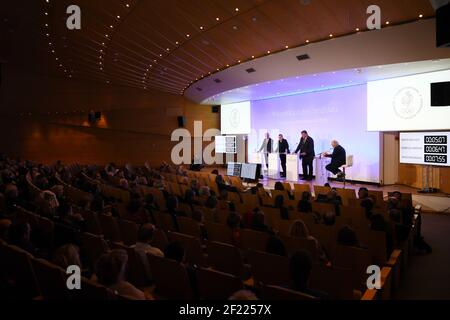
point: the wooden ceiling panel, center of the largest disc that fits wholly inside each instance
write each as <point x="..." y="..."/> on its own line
<point x="146" y="44"/>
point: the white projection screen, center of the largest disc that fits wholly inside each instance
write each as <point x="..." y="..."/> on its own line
<point x="235" y="118"/>
<point x="425" y="148"/>
<point x="332" y="114"/>
<point x="404" y="104"/>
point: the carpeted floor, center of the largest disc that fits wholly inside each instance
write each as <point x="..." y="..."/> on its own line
<point x="428" y="276"/>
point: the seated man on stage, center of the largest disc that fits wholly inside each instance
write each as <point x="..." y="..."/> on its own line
<point x="338" y="159"/>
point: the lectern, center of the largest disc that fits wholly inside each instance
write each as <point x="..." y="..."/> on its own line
<point x="292" y="162"/>
<point x="274" y="166"/>
<point x="321" y="172"/>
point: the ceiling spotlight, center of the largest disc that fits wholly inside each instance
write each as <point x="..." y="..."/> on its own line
<point x="118" y="17"/>
<point x="111" y="26"/>
<point x="331" y="35"/>
<point x="176" y="42"/>
<point x="253" y="57"/>
<point x="187" y="36"/>
<point x="387" y="22"/>
<point x="46" y="13"/>
<point x="420" y="15"/>
<point x="287" y="47"/>
<point x="237" y="9"/>
<point x="307" y="41"/>
<point x="217" y="19"/>
<point x="127" y="5"/>
<point x="268" y="51"/>
<point x="357" y="29"/>
<point x="201" y="28"/>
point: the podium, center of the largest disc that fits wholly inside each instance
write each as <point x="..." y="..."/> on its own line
<point x="292" y="169"/>
<point x="322" y="173"/>
<point x="274" y="166"/>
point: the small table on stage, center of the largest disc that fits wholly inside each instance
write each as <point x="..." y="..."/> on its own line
<point x="322" y="173"/>
<point x="292" y="171"/>
<point x="274" y="166"/>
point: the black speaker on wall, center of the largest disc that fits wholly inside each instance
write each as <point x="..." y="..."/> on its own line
<point x="215" y="109"/>
<point x="440" y="94"/>
<point x="443" y="26"/>
<point x="180" y="121"/>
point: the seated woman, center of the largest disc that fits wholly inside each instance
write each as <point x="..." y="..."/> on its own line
<point x="110" y="272"/>
<point x="299" y="229"/>
<point x="258" y="222"/>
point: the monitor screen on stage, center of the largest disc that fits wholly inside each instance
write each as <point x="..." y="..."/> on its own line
<point x="413" y="103"/>
<point x="225" y="144"/>
<point x="235" y="118"/>
<point x="250" y="171"/>
<point x="425" y="148"/>
<point x="234" y="169"/>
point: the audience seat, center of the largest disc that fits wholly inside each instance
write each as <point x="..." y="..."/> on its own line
<point x="51" y="280"/>
<point x="171" y="278"/>
<point x="280" y="293"/>
<point x="216" y="285"/>
<point x="160" y="239"/>
<point x="192" y="247"/>
<point x="226" y="258"/>
<point x="109" y="227"/>
<point x="93" y="246"/>
<point x="337" y="282"/>
<point x="255" y="240"/>
<point x="189" y="226"/>
<point x="128" y="231"/>
<point x="269" y="269"/>
<point x="218" y="232"/>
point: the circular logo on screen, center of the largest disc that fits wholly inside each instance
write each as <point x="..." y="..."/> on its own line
<point x="235" y="118"/>
<point x="407" y="103"/>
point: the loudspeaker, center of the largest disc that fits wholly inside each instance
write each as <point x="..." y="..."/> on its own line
<point x="443" y="26"/>
<point x="180" y="121"/>
<point x="215" y="109"/>
<point x="440" y="94"/>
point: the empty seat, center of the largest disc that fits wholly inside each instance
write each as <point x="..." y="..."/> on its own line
<point x="218" y="232"/>
<point x="128" y="231"/>
<point x="189" y="226"/>
<point x="355" y="259"/>
<point x="110" y="227"/>
<point x="269" y="269"/>
<point x="216" y="285"/>
<point x="93" y="246"/>
<point x="255" y="240"/>
<point x="160" y="239"/>
<point x="225" y="258"/>
<point x="336" y="282"/>
<point x="171" y="278"/>
<point x="192" y="247"/>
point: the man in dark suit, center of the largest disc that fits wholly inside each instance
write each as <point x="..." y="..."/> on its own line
<point x="307" y="154"/>
<point x="266" y="148"/>
<point x="338" y="159"/>
<point x="283" y="149"/>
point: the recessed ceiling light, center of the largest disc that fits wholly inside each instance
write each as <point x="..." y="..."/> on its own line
<point x="187" y="35"/>
<point x="239" y="61"/>
<point x="331" y="35"/>
<point x="106" y="35"/>
<point x="287" y="47"/>
<point x="268" y="51"/>
<point x="253" y="57"/>
<point x="307" y="41"/>
<point x="46" y="24"/>
<point x="420" y="15"/>
<point x="127" y="5"/>
<point x="111" y="26"/>
<point x="217" y="19"/>
<point x="168" y="49"/>
<point x="357" y="29"/>
<point x="237" y="9"/>
<point x="46" y="13"/>
<point x="387" y="22"/>
<point x="201" y="28"/>
<point x="176" y="42"/>
<point x="160" y="55"/>
<point x="118" y="17"/>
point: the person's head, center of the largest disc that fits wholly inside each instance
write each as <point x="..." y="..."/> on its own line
<point x="280" y="137"/>
<point x="367" y="204"/>
<point x="146" y="232"/>
<point x="267" y="135"/>
<point x="377" y="222"/>
<point x="279" y="201"/>
<point x="175" y="251"/>
<point x="20" y="232"/>
<point x="347" y="237"/>
<point x="243" y="295"/>
<point x="231" y="206"/>
<point x="233" y="220"/>
<point x="197" y="215"/>
<point x="327" y="185"/>
<point x="111" y="266"/>
<point x="149" y="199"/>
<point x="331" y="195"/>
<point x="397" y="195"/>
<point x="329" y="218"/>
<point x="363" y="193"/>
<point x="215" y="171"/>
<point x="224" y="194"/>
<point x="300" y="268"/>
<point x="279" y="186"/>
<point x="304" y="134"/>
<point x="334" y="143"/>
<point x="258" y="218"/>
<point x="67" y="255"/>
<point x="306" y="196"/>
<point x="172" y="203"/>
<point x="5" y="224"/>
<point x="211" y="202"/>
<point x="298" y="229"/>
<point x="275" y="246"/>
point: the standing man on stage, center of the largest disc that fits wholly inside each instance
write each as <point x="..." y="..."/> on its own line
<point x="307" y="154"/>
<point x="266" y="148"/>
<point x="283" y="149"/>
<point x="338" y="159"/>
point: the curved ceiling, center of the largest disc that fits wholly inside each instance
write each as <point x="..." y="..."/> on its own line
<point x="169" y="44"/>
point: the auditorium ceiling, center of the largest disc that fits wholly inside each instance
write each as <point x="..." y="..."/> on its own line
<point x="169" y="45"/>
